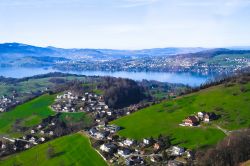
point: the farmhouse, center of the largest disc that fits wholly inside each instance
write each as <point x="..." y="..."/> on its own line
<point x="209" y="116"/>
<point x="191" y="121"/>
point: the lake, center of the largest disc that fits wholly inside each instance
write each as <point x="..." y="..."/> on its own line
<point x="184" y="78"/>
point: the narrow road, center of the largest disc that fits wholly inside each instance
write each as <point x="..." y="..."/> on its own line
<point x="223" y="130"/>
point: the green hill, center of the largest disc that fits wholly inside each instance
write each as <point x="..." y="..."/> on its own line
<point x="230" y="101"/>
<point x="26" y="115"/>
<point x="31" y="113"/>
<point x="69" y="150"/>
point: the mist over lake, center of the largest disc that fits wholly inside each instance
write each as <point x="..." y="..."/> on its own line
<point x="184" y="78"/>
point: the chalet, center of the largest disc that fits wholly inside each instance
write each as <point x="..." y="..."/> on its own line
<point x="99" y="135"/>
<point x="2" y="110"/>
<point x="39" y="126"/>
<point x="147" y="141"/>
<point x="209" y="116"/>
<point x="51" y="133"/>
<point x="124" y="152"/>
<point x="176" y="151"/>
<point x="27" y="146"/>
<point x="93" y="131"/>
<point x="32" y="131"/>
<point x="191" y="121"/>
<point x="128" y="142"/>
<point x="109" y="113"/>
<point x="112" y="128"/>
<point x="109" y="147"/>
<point x="157" y="146"/>
<point x="200" y="115"/>
<point x="41" y="139"/>
<point x="3" y="146"/>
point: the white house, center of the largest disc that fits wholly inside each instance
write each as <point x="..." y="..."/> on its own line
<point x="42" y="139"/>
<point x="200" y="115"/>
<point x="27" y="146"/>
<point x="107" y="147"/>
<point x="124" y="152"/>
<point x="99" y="135"/>
<point x="177" y="151"/>
<point x="51" y="133"/>
<point x="32" y="131"/>
<point x="128" y="142"/>
<point x="146" y="141"/>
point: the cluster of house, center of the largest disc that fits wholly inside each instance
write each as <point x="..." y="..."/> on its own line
<point x="194" y="120"/>
<point x="39" y="134"/>
<point x="131" y="152"/>
<point x="7" y="102"/>
<point x="70" y="102"/>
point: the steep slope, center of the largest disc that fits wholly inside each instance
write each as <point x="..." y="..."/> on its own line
<point x="69" y="150"/>
<point x="230" y="101"/>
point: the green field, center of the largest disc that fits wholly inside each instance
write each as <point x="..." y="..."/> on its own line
<point x="76" y="117"/>
<point x="230" y="102"/>
<point x="28" y="114"/>
<point x="69" y="150"/>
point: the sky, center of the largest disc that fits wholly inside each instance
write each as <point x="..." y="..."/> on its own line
<point x="126" y="24"/>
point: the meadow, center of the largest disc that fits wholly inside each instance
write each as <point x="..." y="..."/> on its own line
<point x="69" y="150"/>
<point x="230" y="102"/>
<point x="28" y="114"/>
<point x="31" y="113"/>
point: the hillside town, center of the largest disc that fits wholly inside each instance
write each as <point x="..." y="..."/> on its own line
<point x="69" y="102"/>
<point x="104" y="138"/>
<point x="125" y="151"/>
<point x="7" y="102"/>
<point x="166" y="63"/>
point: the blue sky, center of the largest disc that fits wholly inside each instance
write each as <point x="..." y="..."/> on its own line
<point x="126" y="24"/>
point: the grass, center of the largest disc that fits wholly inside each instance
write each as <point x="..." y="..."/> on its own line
<point x="28" y="114"/>
<point x="69" y="150"/>
<point x="229" y="102"/>
<point x="75" y="117"/>
<point x="32" y="112"/>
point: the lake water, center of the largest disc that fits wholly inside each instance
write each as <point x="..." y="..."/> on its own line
<point x="184" y="78"/>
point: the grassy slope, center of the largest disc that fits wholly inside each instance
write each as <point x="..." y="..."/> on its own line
<point x="29" y="113"/>
<point x="70" y="150"/>
<point x="165" y="117"/>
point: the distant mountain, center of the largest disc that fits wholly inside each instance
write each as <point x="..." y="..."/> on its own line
<point x="214" y="52"/>
<point x="17" y="50"/>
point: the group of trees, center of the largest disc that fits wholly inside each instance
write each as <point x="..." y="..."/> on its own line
<point x="231" y="151"/>
<point x="120" y="92"/>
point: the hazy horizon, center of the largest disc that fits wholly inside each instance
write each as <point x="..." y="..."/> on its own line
<point x="126" y="24"/>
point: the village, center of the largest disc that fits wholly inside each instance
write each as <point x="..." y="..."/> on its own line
<point x="7" y="102"/>
<point x="125" y="151"/>
<point x="51" y="128"/>
<point x="89" y="102"/>
<point x="104" y="138"/>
